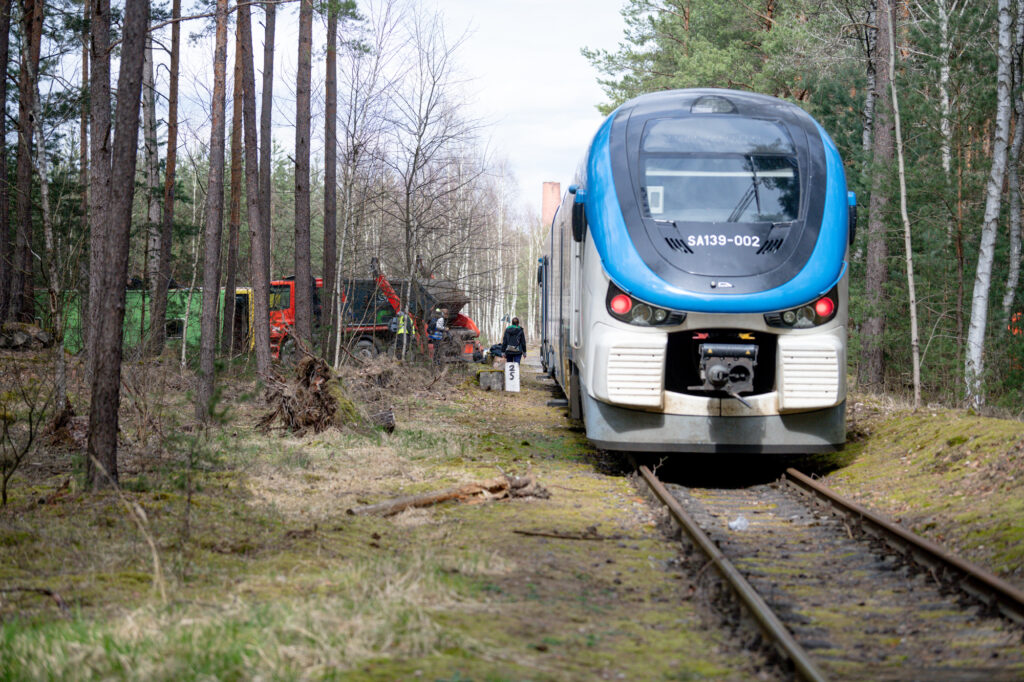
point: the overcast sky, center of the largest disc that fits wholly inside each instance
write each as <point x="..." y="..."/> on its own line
<point x="521" y="66"/>
<point x="531" y="81"/>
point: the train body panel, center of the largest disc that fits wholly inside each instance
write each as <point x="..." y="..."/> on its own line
<point x="694" y="296"/>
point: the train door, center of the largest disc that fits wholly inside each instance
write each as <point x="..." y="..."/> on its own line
<point x="542" y="274"/>
<point x="549" y="298"/>
<point x="576" y="295"/>
<point x="564" y="281"/>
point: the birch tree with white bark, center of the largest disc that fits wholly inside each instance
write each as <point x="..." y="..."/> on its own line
<point x="915" y="342"/>
<point x="974" y="365"/>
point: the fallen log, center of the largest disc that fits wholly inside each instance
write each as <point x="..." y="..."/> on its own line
<point x="492" y="488"/>
<point x="61" y="604"/>
<point x="526" y="486"/>
<point x="502" y="487"/>
<point x="567" y="535"/>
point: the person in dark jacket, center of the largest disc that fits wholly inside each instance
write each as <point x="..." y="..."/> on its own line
<point x="513" y="343"/>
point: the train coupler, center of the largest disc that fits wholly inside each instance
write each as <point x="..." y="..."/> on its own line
<point x="727" y="368"/>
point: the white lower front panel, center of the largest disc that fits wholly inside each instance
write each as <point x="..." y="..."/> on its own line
<point x="626" y="368"/>
<point x="810" y="370"/>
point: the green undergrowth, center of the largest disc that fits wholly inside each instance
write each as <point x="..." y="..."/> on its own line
<point x="953" y="477"/>
<point x="260" y="572"/>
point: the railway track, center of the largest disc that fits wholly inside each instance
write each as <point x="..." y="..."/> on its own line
<point x="843" y="594"/>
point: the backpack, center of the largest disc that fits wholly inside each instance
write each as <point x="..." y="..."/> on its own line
<point x="515" y="344"/>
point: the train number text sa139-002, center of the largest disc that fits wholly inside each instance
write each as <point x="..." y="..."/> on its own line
<point x="723" y="240"/>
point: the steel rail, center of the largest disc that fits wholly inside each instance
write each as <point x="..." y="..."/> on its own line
<point x="762" y="613"/>
<point x="984" y="585"/>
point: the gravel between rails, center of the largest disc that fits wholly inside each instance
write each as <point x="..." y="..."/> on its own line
<point x="857" y="607"/>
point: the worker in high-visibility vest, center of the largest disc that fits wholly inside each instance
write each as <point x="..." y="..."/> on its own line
<point x="406" y="329"/>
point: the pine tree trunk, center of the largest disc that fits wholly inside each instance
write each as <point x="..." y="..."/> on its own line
<point x="53" y="288"/>
<point x="83" y="178"/>
<point x="974" y="365"/>
<point x="160" y="285"/>
<point x="112" y="248"/>
<point x="872" y="368"/>
<point x="1013" y="176"/>
<point x="258" y="223"/>
<point x="5" y="218"/>
<point x="22" y="304"/>
<point x="303" y="308"/>
<point x="99" y="168"/>
<point x="235" y="212"/>
<point x="1013" y="183"/>
<point x="266" y="118"/>
<point x="152" y="161"/>
<point x="330" y="174"/>
<point x="214" y="217"/>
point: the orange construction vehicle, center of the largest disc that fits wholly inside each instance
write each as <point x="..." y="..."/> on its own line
<point x="368" y="309"/>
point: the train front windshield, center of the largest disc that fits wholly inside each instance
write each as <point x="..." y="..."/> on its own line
<point x="725" y="169"/>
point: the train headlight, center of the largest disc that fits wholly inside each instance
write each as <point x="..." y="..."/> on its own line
<point x="641" y="314"/>
<point x="625" y="308"/>
<point x="812" y="314"/>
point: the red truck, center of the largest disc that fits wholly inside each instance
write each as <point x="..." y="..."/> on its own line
<point x="368" y="308"/>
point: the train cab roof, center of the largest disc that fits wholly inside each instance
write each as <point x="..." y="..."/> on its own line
<point x="720" y="192"/>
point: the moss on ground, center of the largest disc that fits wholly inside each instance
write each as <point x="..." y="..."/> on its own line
<point x="266" y="575"/>
<point x="953" y="477"/>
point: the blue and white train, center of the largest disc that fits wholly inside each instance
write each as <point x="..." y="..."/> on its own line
<point x="694" y="289"/>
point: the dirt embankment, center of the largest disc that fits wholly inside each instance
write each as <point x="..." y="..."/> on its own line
<point x="953" y="477"/>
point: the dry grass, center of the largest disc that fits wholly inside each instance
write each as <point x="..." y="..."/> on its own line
<point x="352" y="615"/>
<point x="267" y="577"/>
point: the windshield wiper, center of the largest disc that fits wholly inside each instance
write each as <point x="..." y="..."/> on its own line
<point x="757" y="195"/>
<point x="742" y="205"/>
<point x="751" y="193"/>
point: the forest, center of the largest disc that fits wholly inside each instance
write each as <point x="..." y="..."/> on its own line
<point x="924" y="100"/>
<point x="174" y="509"/>
<point x="145" y="182"/>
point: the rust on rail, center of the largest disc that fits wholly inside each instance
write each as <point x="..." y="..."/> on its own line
<point x="762" y="613"/>
<point x="983" y="584"/>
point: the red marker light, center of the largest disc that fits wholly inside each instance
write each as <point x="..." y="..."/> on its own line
<point x="620" y="304"/>
<point x="824" y="307"/>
